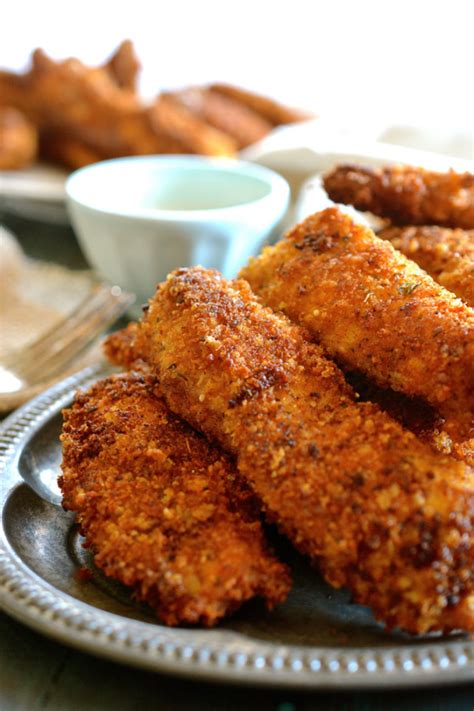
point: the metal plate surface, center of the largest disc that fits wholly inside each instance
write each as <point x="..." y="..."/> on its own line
<point x="317" y="639"/>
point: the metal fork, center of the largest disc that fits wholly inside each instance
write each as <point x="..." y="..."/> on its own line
<point x="50" y="354"/>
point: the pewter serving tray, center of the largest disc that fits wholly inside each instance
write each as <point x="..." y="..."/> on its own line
<point x="317" y="639"/>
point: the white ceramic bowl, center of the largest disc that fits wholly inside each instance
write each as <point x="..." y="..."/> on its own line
<point x="139" y="218"/>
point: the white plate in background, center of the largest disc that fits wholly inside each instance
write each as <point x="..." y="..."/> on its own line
<point x="36" y="192"/>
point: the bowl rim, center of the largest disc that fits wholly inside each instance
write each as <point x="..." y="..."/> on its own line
<point x="277" y="198"/>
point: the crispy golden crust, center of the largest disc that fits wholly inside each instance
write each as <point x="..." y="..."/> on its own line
<point x="374" y="311"/>
<point x="163" y="510"/>
<point x="272" y="111"/>
<point x="414" y="414"/>
<point x="406" y="195"/>
<point x="378" y="511"/>
<point x="173" y="118"/>
<point x="18" y="139"/>
<point x="223" y="113"/>
<point x="97" y="112"/>
<point x="121" y="347"/>
<point x="446" y="254"/>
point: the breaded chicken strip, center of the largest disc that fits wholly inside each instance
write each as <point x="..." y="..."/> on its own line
<point x="86" y="104"/>
<point x="374" y="311"/>
<point x="123" y="349"/>
<point x="272" y="111"/>
<point x="447" y="255"/>
<point x="373" y="506"/>
<point x="229" y="116"/>
<point x="406" y="195"/>
<point x="163" y="510"/>
<point x="171" y="117"/>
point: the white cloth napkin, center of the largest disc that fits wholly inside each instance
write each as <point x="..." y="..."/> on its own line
<point x="34" y="297"/>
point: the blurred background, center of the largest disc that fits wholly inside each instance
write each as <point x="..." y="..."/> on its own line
<point x="364" y="65"/>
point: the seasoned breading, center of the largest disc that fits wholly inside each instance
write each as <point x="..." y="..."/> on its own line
<point x="414" y="414"/>
<point x="446" y="254"/>
<point x="373" y="311"/>
<point x="163" y="510"/>
<point x="406" y="195"/>
<point x="376" y="509"/>
<point x="122" y="348"/>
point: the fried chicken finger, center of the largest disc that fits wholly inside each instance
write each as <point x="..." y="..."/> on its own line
<point x="171" y="117"/>
<point x="374" y="507"/>
<point x="163" y="510"/>
<point x="269" y="109"/>
<point x="374" y="311"/>
<point x="406" y="195"/>
<point x="225" y="114"/>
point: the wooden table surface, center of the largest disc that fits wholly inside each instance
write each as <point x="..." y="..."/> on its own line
<point x="38" y="673"/>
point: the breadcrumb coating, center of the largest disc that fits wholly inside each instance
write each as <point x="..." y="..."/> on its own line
<point x="163" y="510"/>
<point x="374" y="311"/>
<point x="446" y="254"/>
<point x="375" y="508"/>
<point x="406" y="195"/>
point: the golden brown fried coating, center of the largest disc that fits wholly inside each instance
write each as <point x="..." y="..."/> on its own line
<point x="121" y="348"/>
<point x="406" y="195"/>
<point x="374" y="311"/>
<point x="124" y="66"/>
<point x="173" y="118"/>
<point x="272" y="111"/>
<point x="374" y="507"/>
<point x="97" y="112"/>
<point x="18" y="139"/>
<point x="446" y="254"/>
<point x="163" y="510"/>
<point x="414" y="414"/>
<point x="225" y="114"/>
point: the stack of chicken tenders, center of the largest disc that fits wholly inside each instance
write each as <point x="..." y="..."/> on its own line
<point x="236" y="409"/>
<point x="72" y="115"/>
